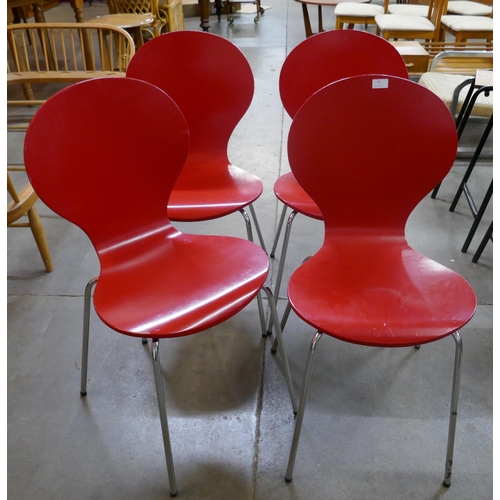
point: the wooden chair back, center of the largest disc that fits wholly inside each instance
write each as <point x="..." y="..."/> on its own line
<point x="64" y="53"/>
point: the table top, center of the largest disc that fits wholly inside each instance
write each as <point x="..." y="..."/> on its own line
<point x="326" y="3"/>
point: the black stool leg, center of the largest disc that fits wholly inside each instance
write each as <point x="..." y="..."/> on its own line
<point x="477" y="218"/>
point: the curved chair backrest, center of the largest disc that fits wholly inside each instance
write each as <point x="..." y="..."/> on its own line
<point x="331" y="55"/>
<point x="207" y="76"/>
<point x="112" y="182"/>
<point x="376" y="145"/>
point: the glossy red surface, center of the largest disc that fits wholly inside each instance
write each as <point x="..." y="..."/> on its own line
<point x="317" y="61"/>
<point x="377" y="145"/>
<point x="212" y="83"/>
<point x="154" y="281"/>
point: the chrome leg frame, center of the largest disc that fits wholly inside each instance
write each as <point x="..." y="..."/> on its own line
<point x="284" y="319"/>
<point x="257" y="227"/>
<point x="453" y="408"/>
<point x="284" y="359"/>
<point x="163" y="416"/>
<point x="300" y="415"/>
<point x="281" y="267"/>
<point x="260" y="305"/>
<point x="86" y="328"/>
<point x="278" y="231"/>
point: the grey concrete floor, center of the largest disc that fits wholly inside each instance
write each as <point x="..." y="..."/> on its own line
<point x="376" y="422"/>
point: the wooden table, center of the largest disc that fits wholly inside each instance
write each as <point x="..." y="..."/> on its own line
<point x="320" y="4"/>
<point x="77" y="6"/>
<point x="204" y="6"/>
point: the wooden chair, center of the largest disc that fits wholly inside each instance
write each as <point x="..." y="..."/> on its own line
<point x="66" y="53"/>
<point x="175" y="15"/>
<point x="464" y="28"/>
<point x="469" y="8"/>
<point x="410" y="27"/>
<point x="23" y="204"/>
<point x="357" y="13"/>
<point x="167" y="17"/>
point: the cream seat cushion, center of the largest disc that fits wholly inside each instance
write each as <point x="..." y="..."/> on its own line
<point x="358" y="10"/>
<point x="466" y="8"/>
<point x="407" y="9"/>
<point x="443" y="85"/>
<point x="396" y="22"/>
<point x="468" y="23"/>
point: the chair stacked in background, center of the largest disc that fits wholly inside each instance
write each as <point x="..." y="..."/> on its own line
<point x="155" y="282"/>
<point x="366" y="285"/>
<point x="315" y="62"/>
<point x="63" y="53"/>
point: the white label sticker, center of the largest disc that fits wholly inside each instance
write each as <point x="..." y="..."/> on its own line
<point x="380" y="83"/>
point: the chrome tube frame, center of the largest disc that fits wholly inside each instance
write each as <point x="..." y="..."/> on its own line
<point x="300" y="415"/>
<point x="260" y="305"/>
<point x="281" y="267"/>
<point x="160" y="393"/>
<point x="281" y="348"/>
<point x="457" y="369"/>
<point x="86" y="329"/>
<point x="278" y="231"/>
<point x="257" y="227"/>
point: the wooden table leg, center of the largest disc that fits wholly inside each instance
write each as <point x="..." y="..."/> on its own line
<point x="77" y="6"/>
<point x="320" y="19"/>
<point x="204" y="6"/>
<point x="307" y="21"/>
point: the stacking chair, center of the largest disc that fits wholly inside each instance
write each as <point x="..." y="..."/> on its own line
<point x="366" y="285"/>
<point x="314" y="63"/>
<point x="192" y="68"/>
<point x="154" y="282"/>
<point x="410" y="27"/>
<point x="23" y="204"/>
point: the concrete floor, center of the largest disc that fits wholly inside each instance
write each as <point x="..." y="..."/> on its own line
<point x="376" y="422"/>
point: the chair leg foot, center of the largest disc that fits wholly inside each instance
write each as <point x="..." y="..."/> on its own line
<point x="86" y="329"/>
<point x="160" y="393"/>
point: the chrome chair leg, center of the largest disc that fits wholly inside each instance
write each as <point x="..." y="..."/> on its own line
<point x="281" y="267"/>
<point x="86" y="328"/>
<point x="163" y="416"/>
<point x="257" y="227"/>
<point x="453" y="408"/>
<point x="284" y="319"/>
<point x="284" y="359"/>
<point x="278" y="231"/>
<point x="300" y="415"/>
<point x="260" y="304"/>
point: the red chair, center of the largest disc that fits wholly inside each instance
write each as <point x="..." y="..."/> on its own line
<point x="211" y="81"/>
<point x="366" y="285"/>
<point x="314" y="63"/>
<point x="155" y="282"/>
